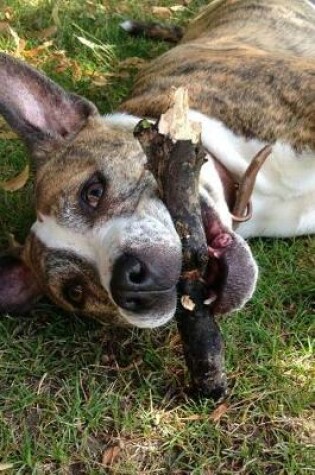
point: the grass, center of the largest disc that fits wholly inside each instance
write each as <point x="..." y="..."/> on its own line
<point x="72" y="390"/>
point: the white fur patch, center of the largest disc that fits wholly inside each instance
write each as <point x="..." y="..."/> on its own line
<point x="55" y="236"/>
<point x="122" y="120"/>
<point x="215" y="193"/>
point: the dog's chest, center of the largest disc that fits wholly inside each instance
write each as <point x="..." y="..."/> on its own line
<point x="284" y="193"/>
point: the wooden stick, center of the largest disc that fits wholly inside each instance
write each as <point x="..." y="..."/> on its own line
<point x="175" y="157"/>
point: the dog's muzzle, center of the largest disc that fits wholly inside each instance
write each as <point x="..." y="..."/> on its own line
<point x="145" y="285"/>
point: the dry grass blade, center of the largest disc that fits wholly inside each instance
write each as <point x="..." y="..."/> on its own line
<point x="7" y="135"/>
<point x="47" y="32"/>
<point x="19" y="42"/>
<point x="4" y="27"/>
<point x="110" y="455"/>
<point x="219" y="412"/>
<point x="5" y="466"/>
<point x="178" y="8"/>
<point x="162" y="12"/>
<point x="17" y="182"/>
<point x="34" y="52"/>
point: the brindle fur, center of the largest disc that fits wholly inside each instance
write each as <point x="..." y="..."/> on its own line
<point x="247" y="63"/>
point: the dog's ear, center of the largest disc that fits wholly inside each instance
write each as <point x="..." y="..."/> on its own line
<point x="18" y="288"/>
<point x="40" y="111"/>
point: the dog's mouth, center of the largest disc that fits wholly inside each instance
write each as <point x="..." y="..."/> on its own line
<point x="231" y="273"/>
<point x="144" y="299"/>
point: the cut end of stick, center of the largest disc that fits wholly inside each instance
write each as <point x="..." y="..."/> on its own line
<point x="175" y="122"/>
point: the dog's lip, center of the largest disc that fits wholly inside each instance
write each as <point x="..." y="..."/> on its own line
<point x="142" y="302"/>
<point x="155" y="290"/>
<point x="148" y="321"/>
<point x="148" y="292"/>
<point x="139" y="294"/>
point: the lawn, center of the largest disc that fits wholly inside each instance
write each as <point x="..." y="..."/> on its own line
<point x="78" y="398"/>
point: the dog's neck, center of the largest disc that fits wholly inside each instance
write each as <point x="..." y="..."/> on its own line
<point x="229" y="182"/>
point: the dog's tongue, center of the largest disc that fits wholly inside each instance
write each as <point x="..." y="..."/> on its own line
<point x="218" y="244"/>
<point x="218" y="237"/>
<point x="218" y="240"/>
<point x="231" y="272"/>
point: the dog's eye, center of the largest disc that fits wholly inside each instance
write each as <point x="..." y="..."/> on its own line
<point x="74" y="293"/>
<point x="92" y="192"/>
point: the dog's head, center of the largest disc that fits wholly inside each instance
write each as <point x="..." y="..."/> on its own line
<point x="103" y="240"/>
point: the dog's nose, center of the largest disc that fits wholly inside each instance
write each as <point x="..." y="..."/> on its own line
<point x="139" y="285"/>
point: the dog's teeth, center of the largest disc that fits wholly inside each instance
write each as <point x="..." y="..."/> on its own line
<point x="210" y="300"/>
<point x="127" y="25"/>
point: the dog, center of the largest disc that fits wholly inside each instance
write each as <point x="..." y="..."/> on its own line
<point x="103" y="243"/>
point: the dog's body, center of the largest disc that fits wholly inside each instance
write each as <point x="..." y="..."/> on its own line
<point x="249" y="68"/>
<point x="101" y="228"/>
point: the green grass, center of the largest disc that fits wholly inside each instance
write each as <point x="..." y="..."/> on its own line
<point x="70" y="388"/>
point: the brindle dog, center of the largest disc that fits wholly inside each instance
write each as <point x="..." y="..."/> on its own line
<point x="103" y="243"/>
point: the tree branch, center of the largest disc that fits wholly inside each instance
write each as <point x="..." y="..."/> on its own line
<point x="175" y="157"/>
